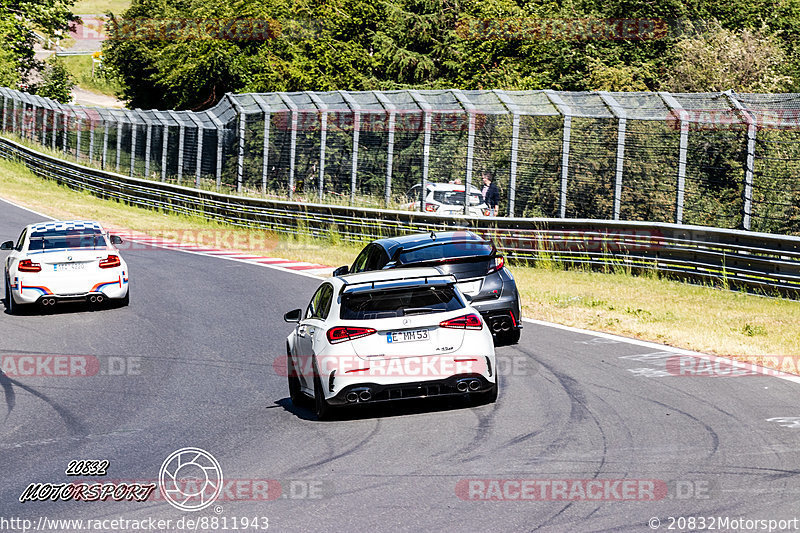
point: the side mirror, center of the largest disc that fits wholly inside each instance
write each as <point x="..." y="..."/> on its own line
<point x="293" y="316"/>
<point x="116" y="239"/>
<point x="341" y="271"/>
<point x="8" y="245"/>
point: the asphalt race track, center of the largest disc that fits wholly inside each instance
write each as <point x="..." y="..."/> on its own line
<point x="190" y="363"/>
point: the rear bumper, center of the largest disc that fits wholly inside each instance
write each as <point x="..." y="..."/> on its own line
<point x="370" y="393"/>
<point x="32" y="290"/>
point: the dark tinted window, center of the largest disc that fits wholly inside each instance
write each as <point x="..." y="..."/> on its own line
<point x="320" y="303"/>
<point x="71" y="238"/>
<point x="402" y="302"/>
<point x="456" y="198"/>
<point x="21" y="240"/>
<point x="360" y="264"/>
<point x="446" y="251"/>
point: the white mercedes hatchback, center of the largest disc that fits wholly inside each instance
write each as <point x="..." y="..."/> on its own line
<point x="385" y="336"/>
<point x="61" y="261"/>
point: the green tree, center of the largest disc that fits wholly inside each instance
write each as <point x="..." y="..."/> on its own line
<point x="57" y="82"/>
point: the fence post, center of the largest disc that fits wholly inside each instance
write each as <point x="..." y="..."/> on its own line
<point x="392" y="110"/>
<point x="426" y="146"/>
<point x="67" y="117"/>
<point x="471" y="111"/>
<point x="199" y="155"/>
<point x="119" y="140"/>
<point x="220" y="133"/>
<point x="515" y="118"/>
<point x="566" y="112"/>
<point x="622" y="121"/>
<point x="91" y="136"/>
<point x="164" y="143"/>
<point x="14" y="116"/>
<point x="105" y="143"/>
<point x="293" y="146"/>
<point x="5" y="112"/>
<point x="181" y="138"/>
<point x="55" y="128"/>
<point x="356" y="110"/>
<point x="134" y="127"/>
<point x="147" y="145"/>
<point x="323" y="110"/>
<point x="78" y="122"/>
<point x="751" y="155"/>
<point x="676" y="108"/>
<point x="265" y="149"/>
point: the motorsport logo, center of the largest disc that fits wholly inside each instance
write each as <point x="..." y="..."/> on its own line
<point x="190" y="464"/>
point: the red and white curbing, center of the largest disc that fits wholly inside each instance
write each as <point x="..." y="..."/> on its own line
<point x="238" y="255"/>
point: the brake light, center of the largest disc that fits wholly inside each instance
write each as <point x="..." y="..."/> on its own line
<point x="26" y="265"/>
<point x="431" y="208"/>
<point x="470" y="321"/>
<point x="348" y="333"/>
<point x="499" y="263"/>
<point x="110" y="262"/>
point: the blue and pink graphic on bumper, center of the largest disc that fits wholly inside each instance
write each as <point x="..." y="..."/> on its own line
<point x="122" y="280"/>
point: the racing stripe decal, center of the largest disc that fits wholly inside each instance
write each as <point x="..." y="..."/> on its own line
<point x="42" y="290"/>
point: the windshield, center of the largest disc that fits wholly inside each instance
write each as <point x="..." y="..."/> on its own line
<point x="456" y="198"/>
<point x="447" y="250"/>
<point x="401" y="302"/>
<point x="71" y="238"/>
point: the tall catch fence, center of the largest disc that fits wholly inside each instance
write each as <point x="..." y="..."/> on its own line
<point x="715" y="159"/>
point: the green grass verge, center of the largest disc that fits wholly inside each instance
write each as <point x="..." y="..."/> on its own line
<point x="81" y="68"/>
<point x="98" y="7"/>
<point x="646" y="307"/>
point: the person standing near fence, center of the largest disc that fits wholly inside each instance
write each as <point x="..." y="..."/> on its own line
<point x="490" y="193"/>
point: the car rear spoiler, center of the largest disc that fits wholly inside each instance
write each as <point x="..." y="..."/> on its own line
<point x="399" y="283"/>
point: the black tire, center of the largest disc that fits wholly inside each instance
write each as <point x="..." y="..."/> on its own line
<point x="11" y="307"/>
<point x="295" y="392"/>
<point x="321" y="407"/>
<point x="513" y="336"/>
<point x="489" y="396"/>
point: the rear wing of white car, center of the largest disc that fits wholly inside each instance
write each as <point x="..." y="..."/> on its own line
<point x="399" y="283"/>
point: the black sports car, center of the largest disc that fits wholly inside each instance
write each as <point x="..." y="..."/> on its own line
<point x="471" y="259"/>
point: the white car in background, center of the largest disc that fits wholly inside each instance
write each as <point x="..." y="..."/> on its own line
<point x="385" y="336"/>
<point x="59" y="261"/>
<point x="448" y="199"/>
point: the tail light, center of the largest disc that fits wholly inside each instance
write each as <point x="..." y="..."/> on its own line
<point x="499" y="263"/>
<point x="431" y="208"/>
<point x="110" y="262"/>
<point x="348" y="333"/>
<point x="470" y="321"/>
<point x="487" y="212"/>
<point x="26" y="265"/>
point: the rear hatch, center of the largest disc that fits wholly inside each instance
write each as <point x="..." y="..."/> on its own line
<point x="468" y="261"/>
<point x="69" y="272"/>
<point x="407" y="320"/>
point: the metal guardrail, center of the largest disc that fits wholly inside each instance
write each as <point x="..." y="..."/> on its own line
<point x="734" y="258"/>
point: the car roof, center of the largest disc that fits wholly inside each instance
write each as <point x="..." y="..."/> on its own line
<point x="61" y="225"/>
<point x="391" y="244"/>
<point x="449" y="187"/>
<point x="393" y="274"/>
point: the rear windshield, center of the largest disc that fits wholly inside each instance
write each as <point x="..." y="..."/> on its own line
<point x="456" y="198"/>
<point x="447" y="251"/>
<point x="70" y="238"/>
<point x="404" y="302"/>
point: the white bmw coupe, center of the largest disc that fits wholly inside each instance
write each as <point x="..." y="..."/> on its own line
<point x="388" y="335"/>
<point x="60" y="261"/>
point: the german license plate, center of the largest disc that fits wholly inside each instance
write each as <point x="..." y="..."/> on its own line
<point x="70" y="267"/>
<point x="407" y="336"/>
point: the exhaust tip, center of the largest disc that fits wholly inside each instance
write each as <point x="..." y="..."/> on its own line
<point x="365" y="396"/>
<point x="93" y="298"/>
<point x="352" y="397"/>
<point x="100" y="298"/>
<point x="462" y="386"/>
<point x="474" y="385"/>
